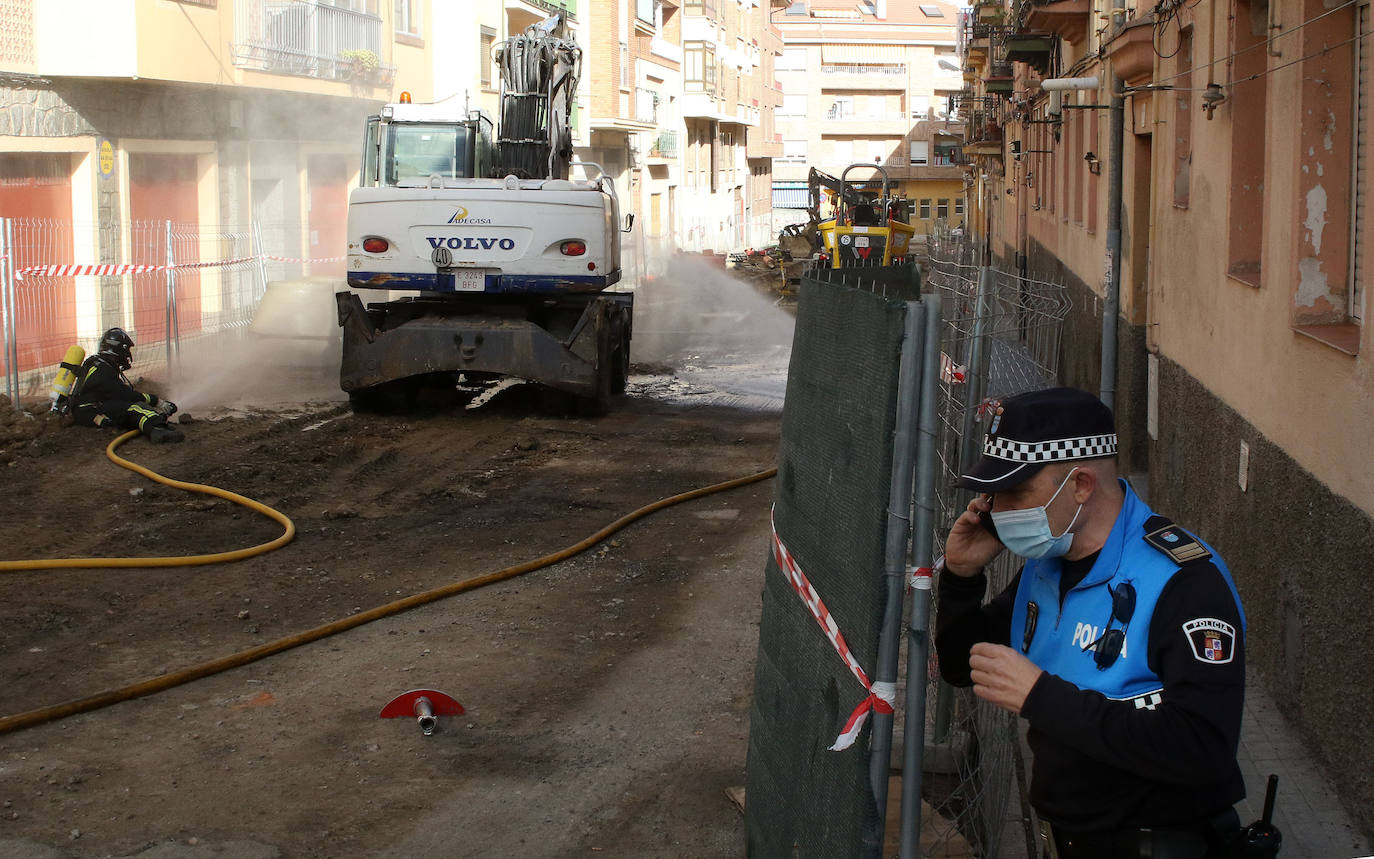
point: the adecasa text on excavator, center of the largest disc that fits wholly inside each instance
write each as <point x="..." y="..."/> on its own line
<point x="507" y="262"/>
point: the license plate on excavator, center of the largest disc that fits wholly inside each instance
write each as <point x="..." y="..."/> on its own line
<point x="470" y="280"/>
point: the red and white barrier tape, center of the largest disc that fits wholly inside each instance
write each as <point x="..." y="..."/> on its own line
<point x="112" y="269"/>
<point x="950" y="372"/>
<point x="307" y="259"/>
<point x="880" y="695"/>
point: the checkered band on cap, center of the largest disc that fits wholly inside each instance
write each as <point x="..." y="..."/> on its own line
<point x="1054" y="450"/>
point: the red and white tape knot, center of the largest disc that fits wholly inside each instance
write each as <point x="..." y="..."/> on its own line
<point x="881" y="696"/>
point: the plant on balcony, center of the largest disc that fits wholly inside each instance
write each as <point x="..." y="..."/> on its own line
<point x="362" y="64"/>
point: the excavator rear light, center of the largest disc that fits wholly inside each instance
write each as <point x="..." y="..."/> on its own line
<point x="375" y="245"/>
<point x="573" y="248"/>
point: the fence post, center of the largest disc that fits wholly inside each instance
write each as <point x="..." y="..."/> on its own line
<point x="262" y="260"/>
<point x="9" y="310"/>
<point x="922" y="555"/>
<point x="909" y="376"/>
<point x="171" y="300"/>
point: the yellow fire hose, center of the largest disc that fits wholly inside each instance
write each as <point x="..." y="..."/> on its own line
<point x="184" y="561"/>
<point x="163" y="682"/>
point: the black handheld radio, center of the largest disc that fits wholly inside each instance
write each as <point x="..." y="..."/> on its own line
<point x="1261" y="839"/>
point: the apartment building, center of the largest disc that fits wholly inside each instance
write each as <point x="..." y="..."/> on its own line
<point x="1242" y="366"/>
<point x="200" y="113"/>
<point x="871" y="82"/>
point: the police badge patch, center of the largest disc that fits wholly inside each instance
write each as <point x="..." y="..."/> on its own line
<point x="1213" y="641"/>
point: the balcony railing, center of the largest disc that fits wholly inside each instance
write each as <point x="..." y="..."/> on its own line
<point x="863" y="69"/>
<point x="309" y="38"/>
<point x="664" y="146"/>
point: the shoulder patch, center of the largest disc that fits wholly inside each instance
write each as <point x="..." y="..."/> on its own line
<point x="1213" y="641"/>
<point x="1178" y="544"/>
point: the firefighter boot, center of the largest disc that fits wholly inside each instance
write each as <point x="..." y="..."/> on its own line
<point x="163" y="434"/>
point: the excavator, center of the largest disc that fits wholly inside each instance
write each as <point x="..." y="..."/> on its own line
<point x="504" y="262"/>
<point x="864" y="229"/>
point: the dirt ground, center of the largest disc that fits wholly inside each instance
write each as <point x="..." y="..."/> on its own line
<point x="607" y="696"/>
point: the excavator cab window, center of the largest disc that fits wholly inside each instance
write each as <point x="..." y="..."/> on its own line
<point x="417" y="151"/>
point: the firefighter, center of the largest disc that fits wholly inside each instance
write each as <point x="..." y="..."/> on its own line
<point x="104" y="396"/>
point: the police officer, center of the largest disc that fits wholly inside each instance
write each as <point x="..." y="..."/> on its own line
<point x="1121" y="641"/>
<point x="104" y="395"/>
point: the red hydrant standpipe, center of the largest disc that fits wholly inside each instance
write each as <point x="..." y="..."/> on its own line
<point x="426" y="705"/>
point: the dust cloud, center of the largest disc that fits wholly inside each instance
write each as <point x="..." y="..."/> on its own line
<point x="703" y="336"/>
<point x="289" y="354"/>
<point x="694" y="308"/>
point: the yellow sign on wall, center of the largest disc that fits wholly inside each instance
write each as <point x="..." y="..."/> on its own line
<point x="106" y="158"/>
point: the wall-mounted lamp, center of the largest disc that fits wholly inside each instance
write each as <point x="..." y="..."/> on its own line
<point x="948" y="66"/>
<point x="1094" y="165"/>
<point x="1212" y="98"/>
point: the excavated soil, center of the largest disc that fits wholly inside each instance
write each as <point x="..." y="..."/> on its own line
<point x="607" y="696"/>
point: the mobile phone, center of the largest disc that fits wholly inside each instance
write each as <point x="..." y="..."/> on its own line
<point x="985" y="519"/>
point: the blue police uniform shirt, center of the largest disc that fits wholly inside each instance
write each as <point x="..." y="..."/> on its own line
<point x="1061" y="639"/>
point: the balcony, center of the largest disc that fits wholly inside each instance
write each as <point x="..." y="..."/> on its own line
<point x="1033" y="49"/>
<point x="700" y="8"/>
<point x="310" y="39"/>
<point x="664" y="146"/>
<point x="646" y="105"/>
<point x="1000" y="79"/>
<point x="1066" y="18"/>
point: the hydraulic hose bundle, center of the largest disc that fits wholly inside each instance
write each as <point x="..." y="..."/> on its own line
<point x="539" y="75"/>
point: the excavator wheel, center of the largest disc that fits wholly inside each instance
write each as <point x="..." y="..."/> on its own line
<point x="388" y="398"/>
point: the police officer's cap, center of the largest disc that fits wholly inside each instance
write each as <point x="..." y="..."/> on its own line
<point x="1031" y="430"/>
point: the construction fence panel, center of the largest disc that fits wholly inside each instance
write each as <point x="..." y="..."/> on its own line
<point x="834" y="472"/>
<point x="999" y="336"/>
<point x="165" y="283"/>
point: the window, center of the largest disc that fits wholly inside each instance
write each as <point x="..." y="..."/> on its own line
<point x="1332" y="254"/>
<point x="699" y="67"/>
<point x="1247" y="142"/>
<point x="408" y="17"/>
<point x="793" y="105"/>
<point x="841" y="108"/>
<point x="624" y="66"/>
<point x="416" y="151"/>
<point x="925" y="210"/>
<point x="1183" y="119"/>
<point x="942" y="209"/>
<point x="959" y="207"/>
<point x="644" y="11"/>
<point x="794" y="150"/>
<point x="488" y="38"/>
<point x="920" y="153"/>
<point x="796" y="9"/>
<point x="920" y="106"/>
<point x="844" y="152"/>
<point x="932" y="11"/>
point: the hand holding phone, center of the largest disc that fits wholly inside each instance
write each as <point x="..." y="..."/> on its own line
<point x="972" y="542"/>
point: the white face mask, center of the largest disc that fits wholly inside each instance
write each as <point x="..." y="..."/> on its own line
<point x="1027" y="532"/>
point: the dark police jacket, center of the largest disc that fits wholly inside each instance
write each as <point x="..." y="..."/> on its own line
<point x="1151" y="740"/>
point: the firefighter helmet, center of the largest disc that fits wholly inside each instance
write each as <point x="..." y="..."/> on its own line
<point x="117" y="348"/>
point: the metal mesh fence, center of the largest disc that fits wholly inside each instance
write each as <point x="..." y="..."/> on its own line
<point x="165" y="283"/>
<point x="1000" y="336"/>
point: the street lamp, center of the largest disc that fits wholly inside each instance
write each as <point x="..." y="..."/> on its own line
<point x="948" y="66"/>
